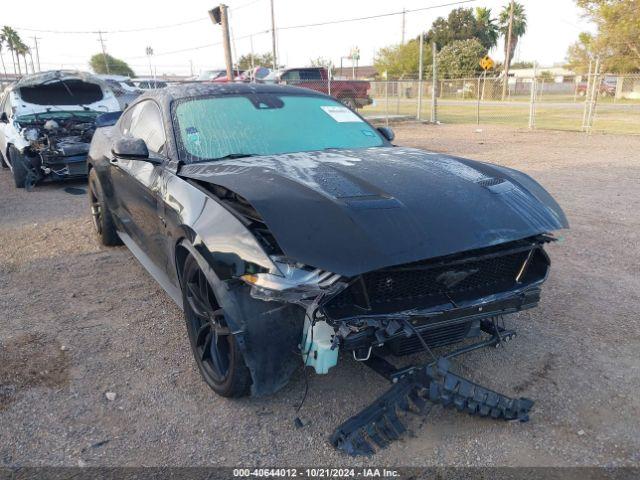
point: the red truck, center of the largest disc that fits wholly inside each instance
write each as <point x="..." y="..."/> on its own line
<point x="353" y="93"/>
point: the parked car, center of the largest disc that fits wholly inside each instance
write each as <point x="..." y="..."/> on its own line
<point x="47" y="121"/>
<point x="352" y="93"/>
<point x="148" y="83"/>
<point x="288" y="229"/>
<point x="122" y="87"/>
<point x="608" y="86"/>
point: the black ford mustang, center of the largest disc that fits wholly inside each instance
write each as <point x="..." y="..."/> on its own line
<point x="283" y="223"/>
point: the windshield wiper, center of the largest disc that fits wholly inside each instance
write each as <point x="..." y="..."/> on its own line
<point x="234" y="155"/>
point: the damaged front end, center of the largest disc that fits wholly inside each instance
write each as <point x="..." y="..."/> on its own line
<point x="58" y="144"/>
<point x="51" y="118"/>
<point x="406" y="309"/>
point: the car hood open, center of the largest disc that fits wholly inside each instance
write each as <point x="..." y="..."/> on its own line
<point x="353" y="211"/>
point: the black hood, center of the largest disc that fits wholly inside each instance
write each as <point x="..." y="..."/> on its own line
<point x="353" y="211"/>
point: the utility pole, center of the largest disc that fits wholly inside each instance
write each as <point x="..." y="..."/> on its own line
<point x="35" y="42"/>
<point x="273" y="37"/>
<point x="404" y="16"/>
<point x="434" y="100"/>
<point x="507" y="59"/>
<point x="104" y="53"/>
<point x="226" y="43"/>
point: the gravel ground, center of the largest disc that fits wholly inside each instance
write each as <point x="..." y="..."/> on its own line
<point x="78" y="320"/>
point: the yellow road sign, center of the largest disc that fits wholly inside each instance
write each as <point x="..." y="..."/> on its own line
<point x="487" y="62"/>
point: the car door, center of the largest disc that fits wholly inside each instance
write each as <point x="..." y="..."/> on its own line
<point x="136" y="183"/>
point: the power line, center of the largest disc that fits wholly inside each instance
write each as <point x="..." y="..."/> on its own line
<point x="370" y="17"/>
<point x="129" y="30"/>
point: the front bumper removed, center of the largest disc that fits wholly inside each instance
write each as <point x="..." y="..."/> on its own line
<point x="415" y="390"/>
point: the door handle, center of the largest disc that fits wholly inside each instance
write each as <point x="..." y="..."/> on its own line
<point x="113" y="161"/>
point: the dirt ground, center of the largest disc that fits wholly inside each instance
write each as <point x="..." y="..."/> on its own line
<point x="78" y="320"/>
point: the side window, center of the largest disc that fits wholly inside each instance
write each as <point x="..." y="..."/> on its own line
<point x="311" y="74"/>
<point x="125" y="120"/>
<point x="291" y="76"/>
<point x="146" y="123"/>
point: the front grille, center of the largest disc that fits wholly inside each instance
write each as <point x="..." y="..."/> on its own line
<point x="436" y="337"/>
<point x="435" y="282"/>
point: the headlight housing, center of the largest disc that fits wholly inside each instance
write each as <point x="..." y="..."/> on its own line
<point x="291" y="275"/>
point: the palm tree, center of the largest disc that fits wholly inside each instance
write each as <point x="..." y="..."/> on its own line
<point x="22" y="50"/>
<point x="487" y="28"/>
<point x="518" y="28"/>
<point x="2" y="42"/>
<point x="12" y="39"/>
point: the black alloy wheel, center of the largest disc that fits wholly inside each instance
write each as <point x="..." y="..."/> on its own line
<point x="215" y="349"/>
<point x="102" y="221"/>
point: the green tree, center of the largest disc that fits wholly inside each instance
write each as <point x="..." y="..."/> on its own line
<point x="259" y="60"/>
<point x="461" y="58"/>
<point x="321" y="62"/>
<point x="463" y="24"/>
<point x="522" y="65"/>
<point x="116" y="66"/>
<point x="518" y="29"/>
<point x="12" y="40"/>
<point x="581" y="53"/>
<point x="487" y="30"/>
<point x="617" y="40"/>
<point x="401" y="61"/>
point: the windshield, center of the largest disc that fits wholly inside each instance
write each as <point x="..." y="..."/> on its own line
<point x="267" y="124"/>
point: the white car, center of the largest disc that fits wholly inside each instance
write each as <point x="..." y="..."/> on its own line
<point x="47" y="121"/>
<point x="148" y="83"/>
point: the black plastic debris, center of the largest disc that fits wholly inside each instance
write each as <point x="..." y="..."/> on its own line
<point x="379" y="424"/>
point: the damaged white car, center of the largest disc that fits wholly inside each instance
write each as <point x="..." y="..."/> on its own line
<point x="47" y="121"/>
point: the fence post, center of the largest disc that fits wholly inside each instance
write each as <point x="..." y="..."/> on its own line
<point x="420" y="56"/>
<point x="386" y="101"/>
<point x="586" y="99"/>
<point x="532" y="101"/>
<point x="329" y="71"/>
<point x="434" y="93"/>
<point x="478" y="102"/>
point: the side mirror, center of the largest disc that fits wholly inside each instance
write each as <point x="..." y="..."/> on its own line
<point x="387" y="133"/>
<point x="131" y="149"/>
<point x="107" y="119"/>
<point x="4" y="118"/>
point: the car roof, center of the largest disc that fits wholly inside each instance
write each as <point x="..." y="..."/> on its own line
<point x="171" y="93"/>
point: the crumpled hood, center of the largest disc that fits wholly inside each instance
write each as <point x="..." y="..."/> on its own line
<point x="353" y="211"/>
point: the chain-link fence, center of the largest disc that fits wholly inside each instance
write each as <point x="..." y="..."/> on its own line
<point x="593" y="103"/>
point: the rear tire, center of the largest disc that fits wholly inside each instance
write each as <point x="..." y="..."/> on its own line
<point x="18" y="166"/>
<point x="214" y="347"/>
<point x="102" y="221"/>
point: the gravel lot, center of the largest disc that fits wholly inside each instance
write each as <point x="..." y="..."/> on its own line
<point x="78" y="320"/>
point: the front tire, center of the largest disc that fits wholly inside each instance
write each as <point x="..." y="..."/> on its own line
<point x="214" y="348"/>
<point x="18" y="166"/>
<point x="102" y="221"/>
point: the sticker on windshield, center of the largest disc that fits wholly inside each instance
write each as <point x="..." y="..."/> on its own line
<point x="341" y="114"/>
